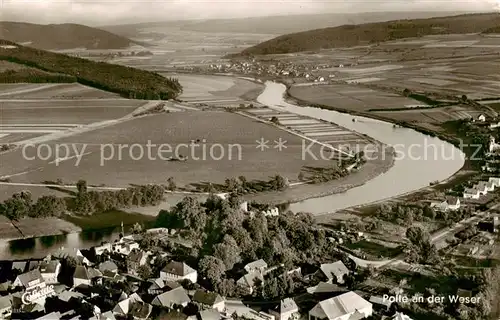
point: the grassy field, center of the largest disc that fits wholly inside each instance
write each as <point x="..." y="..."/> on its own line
<point x="374" y="249"/>
<point x="235" y="138"/>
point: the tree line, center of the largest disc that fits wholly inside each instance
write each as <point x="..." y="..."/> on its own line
<point x="34" y="76"/>
<point x="128" y="82"/>
<point x="21" y="204"/>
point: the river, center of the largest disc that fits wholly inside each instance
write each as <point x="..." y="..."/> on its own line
<point x="420" y="159"/>
<point x="409" y="173"/>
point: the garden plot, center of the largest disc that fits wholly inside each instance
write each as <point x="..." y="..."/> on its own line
<point x="51" y="91"/>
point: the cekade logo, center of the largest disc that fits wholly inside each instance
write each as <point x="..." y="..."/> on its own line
<point x="38" y="293"/>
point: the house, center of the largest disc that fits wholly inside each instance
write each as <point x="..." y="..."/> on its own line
<point x="172" y="298"/>
<point x="495" y="181"/>
<point x="250" y="280"/>
<point x="81" y="276"/>
<point x="74" y="253"/>
<point x="256" y="266"/>
<point x="176" y="271"/>
<point x="108" y="266"/>
<point x="286" y="310"/>
<point x="346" y="306"/>
<point x="133" y="306"/>
<point x="481" y="118"/>
<point x="159" y="286"/>
<point x="401" y="316"/>
<point x="104" y="316"/>
<point x="482" y="187"/>
<point x="29" y="280"/>
<point x="471" y="193"/>
<point x="106" y="246"/>
<point x="271" y="212"/>
<point x="453" y="203"/>
<point x="209" y="300"/>
<point x="125" y="245"/>
<point x="135" y="259"/>
<point x="50" y="270"/>
<point x="494" y="125"/>
<point x="493" y="146"/>
<point x="380" y="303"/>
<point x="210" y="314"/>
<point x="335" y="271"/>
<point x="5" y="306"/>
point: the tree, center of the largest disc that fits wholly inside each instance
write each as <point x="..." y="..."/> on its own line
<point x="275" y="120"/>
<point x="406" y="92"/>
<point x="301" y="176"/>
<point x="171" y="184"/>
<point x="228" y="251"/>
<point x="212" y="268"/>
<point x="137" y="228"/>
<point x="81" y="186"/>
<point x="144" y="271"/>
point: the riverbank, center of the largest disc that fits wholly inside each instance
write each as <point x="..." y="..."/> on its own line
<point x="379" y="163"/>
<point x="35" y="227"/>
<point x="454" y="140"/>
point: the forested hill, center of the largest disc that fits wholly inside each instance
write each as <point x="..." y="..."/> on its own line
<point x="353" y="35"/>
<point x="61" y="36"/>
<point x="128" y="82"/>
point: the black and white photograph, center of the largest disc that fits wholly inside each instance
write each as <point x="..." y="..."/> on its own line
<point x="250" y="159"/>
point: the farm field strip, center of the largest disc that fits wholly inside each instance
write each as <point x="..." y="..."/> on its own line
<point x="326" y="133"/>
<point x="27" y="89"/>
<point x="299" y="121"/>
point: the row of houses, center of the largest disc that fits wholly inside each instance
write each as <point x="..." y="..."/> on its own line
<point x="481" y="188"/>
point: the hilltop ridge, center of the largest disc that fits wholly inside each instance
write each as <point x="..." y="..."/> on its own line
<point x="362" y="34"/>
<point x="128" y="82"/>
<point x="61" y="36"/>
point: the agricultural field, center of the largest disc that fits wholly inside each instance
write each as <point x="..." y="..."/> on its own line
<point x="28" y="91"/>
<point x="32" y="110"/>
<point x="350" y="97"/>
<point x="233" y="135"/>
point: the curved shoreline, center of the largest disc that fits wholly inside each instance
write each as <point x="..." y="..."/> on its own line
<point x="449" y="144"/>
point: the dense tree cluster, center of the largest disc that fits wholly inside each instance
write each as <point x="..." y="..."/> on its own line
<point x="31" y="75"/>
<point x="243" y="186"/>
<point x="21" y="205"/>
<point x="87" y="202"/>
<point x="128" y="82"/>
<point x="420" y="249"/>
<point x="226" y="236"/>
<point x="406" y="214"/>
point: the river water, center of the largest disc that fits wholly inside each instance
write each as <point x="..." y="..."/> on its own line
<point x="420" y="159"/>
<point x="425" y="160"/>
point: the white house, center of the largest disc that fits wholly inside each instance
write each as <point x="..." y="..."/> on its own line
<point x="176" y="271"/>
<point x="256" y="266"/>
<point x="272" y="212"/>
<point x="335" y="271"/>
<point x="126" y="307"/>
<point x="50" y="270"/>
<point x="495" y="181"/>
<point x="401" y="316"/>
<point x="481" y="118"/>
<point x="102" y="248"/>
<point x="5" y="307"/>
<point x="346" y="306"/>
<point x="471" y="193"/>
<point x="286" y="310"/>
<point x="482" y="187"/>
<point x="493" y="146"/>
<point x="125" y="246"/>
